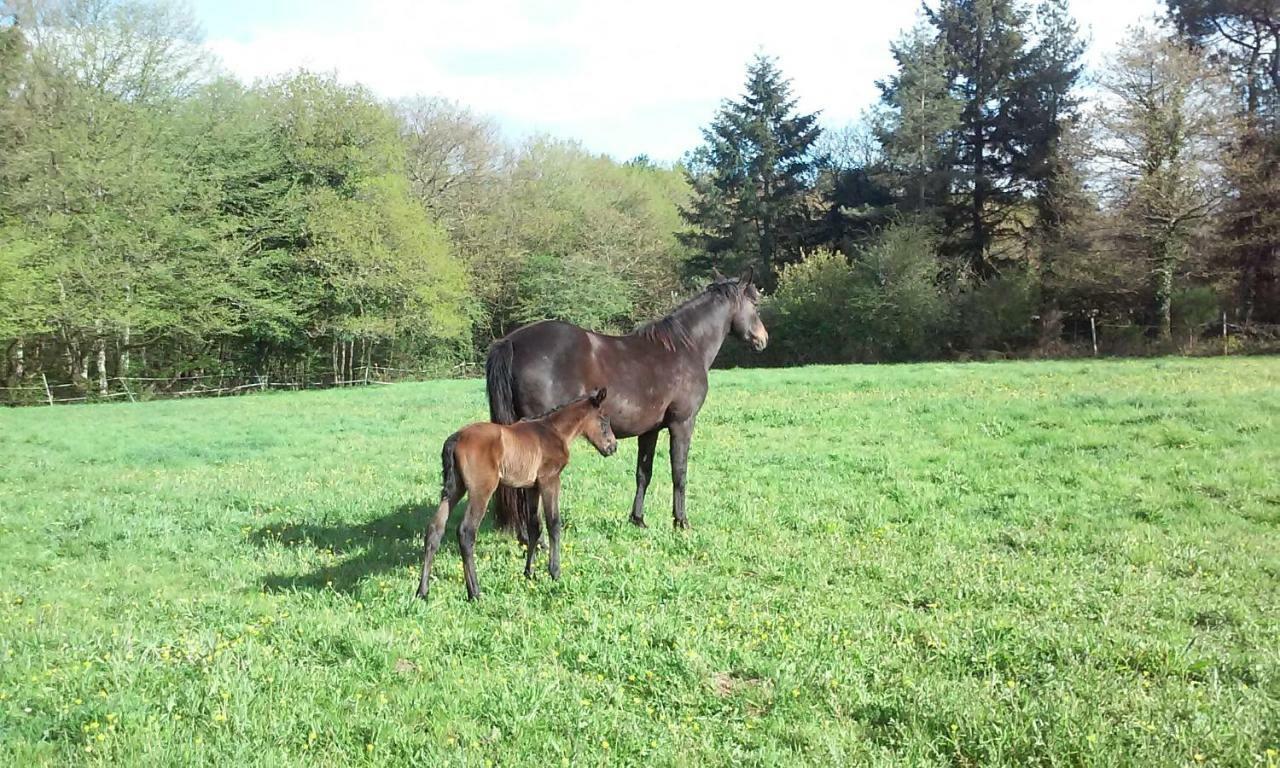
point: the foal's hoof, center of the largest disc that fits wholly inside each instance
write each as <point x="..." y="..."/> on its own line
<point x="680" y="525"/>
<point x="639" y="522"/>
<point x="421" y="594"/>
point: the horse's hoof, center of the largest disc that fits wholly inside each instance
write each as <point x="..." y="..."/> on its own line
<point x="639" y="522"/>
<point x="421" y="594"/>
<point x="681" y="525"/>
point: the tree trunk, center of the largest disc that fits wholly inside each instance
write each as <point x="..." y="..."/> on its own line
<point x="68" y="359"/>
<point x="122" y="369"/>
<point x="100" y="345"/>
<point x="1164" y="288"/>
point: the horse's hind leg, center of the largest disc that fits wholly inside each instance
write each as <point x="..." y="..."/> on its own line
<point x="533" y="532"/>
<point x="550" y="492"/>
<point x="477" y="504"/>
<point x="431" y="540"/>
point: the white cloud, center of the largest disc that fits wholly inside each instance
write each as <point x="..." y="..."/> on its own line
<point x="624" y="78"/>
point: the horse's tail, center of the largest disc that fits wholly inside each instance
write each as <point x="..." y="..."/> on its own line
<point x="497" y="376"/>
<point x="511" y="506"/>
<point x="449" y="469"/>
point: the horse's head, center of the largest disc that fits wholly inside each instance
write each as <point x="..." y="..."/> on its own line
<point x="596" y="427"/>
<point x="745" y="321"/>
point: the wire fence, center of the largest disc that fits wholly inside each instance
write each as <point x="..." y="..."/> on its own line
<point x="135" y="388"/>
<point x="1086" y="335"/>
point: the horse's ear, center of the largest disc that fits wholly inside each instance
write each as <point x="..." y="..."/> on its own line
<point x="745" y="280"/>
<point x="715" y="275"/>
<point x="598" y="396"/>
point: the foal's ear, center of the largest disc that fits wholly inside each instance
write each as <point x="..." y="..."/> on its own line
<point x="745" y="280"/>
<point x="597" y="397"/>
<point x="716" y="276"/>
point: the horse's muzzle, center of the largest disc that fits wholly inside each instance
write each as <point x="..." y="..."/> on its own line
<point x="758" y="343"/>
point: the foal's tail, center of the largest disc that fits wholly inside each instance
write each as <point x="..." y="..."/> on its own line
<point x="511" y="506"/>
<point x="449" y="490"/>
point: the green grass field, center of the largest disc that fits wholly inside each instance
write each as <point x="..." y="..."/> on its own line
<point x="1068" y="563"/>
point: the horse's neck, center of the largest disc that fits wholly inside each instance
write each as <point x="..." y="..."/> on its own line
<point x="566" y="423"/>
<point x="708" y="324"/>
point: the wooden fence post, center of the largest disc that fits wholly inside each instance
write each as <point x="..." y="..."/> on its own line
<point x="48" y="393"/>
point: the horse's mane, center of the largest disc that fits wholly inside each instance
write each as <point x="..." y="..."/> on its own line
<point x="672" y="331"/>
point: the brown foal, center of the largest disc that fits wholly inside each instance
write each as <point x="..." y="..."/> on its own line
<point x="527" y="454"/>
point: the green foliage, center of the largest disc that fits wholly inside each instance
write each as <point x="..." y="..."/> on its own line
<point x="1194" y="307"/>
<point x="572" y="235"/>
<point x="987" y="564"/>
<point x="997" y="313"/>
<point x="883" y="304"/>
<point x="808" y="316"/>
<point x="574" y="289"/>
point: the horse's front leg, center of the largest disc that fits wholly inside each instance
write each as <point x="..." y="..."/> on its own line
<point x="681" y="434"/>
<point x="647" y="442"/>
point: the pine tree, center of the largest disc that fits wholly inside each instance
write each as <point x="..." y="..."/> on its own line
<point x="917" y="122"/>
<point x="753" y="179"/>
<point x="985" y="43"/>
<point x="1048" y="110"/>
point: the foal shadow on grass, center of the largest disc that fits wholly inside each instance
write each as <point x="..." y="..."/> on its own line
<point x="389" y="546"/>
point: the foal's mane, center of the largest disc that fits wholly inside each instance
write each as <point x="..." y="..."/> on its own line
<point x="672" y="331"/>
<point x="558" y="408"/>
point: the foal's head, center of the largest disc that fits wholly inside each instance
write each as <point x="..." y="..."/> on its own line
<point x="745" y="320"/>
<point x="595" y="427"/>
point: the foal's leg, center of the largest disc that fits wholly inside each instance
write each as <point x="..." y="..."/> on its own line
<point x="644" y="470"/>
<point x="477" y="504"/>
<point x="533" y="531"/>
<point x="431" y="539"/>
<point x="681" y="434"/>
<point x="550" y="492"/>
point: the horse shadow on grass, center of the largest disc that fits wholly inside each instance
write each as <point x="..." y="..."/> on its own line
<point x="389" y="545"/>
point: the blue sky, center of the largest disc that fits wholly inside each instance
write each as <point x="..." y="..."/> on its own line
<point x="623" y="77"/>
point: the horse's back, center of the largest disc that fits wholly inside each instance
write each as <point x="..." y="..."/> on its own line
<point x="552" y="363"/>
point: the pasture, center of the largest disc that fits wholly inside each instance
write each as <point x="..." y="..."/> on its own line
<point x="1069" y="563"/>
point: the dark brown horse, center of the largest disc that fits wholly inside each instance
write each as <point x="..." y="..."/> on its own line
<point x="529" y="454"/>
<point x="657" y="378"/>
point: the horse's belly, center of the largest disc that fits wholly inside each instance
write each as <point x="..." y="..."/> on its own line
<point x="519" y="466"/>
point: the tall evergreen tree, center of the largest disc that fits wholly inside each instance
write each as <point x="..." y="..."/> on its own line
<point x="1048" y="109"/>
<point x="985" y="41"/>
<point x="918" y="120"/>
<point x="753" y="179"/>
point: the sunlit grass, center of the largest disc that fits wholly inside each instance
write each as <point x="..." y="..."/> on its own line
<point x="1060" y="563"/>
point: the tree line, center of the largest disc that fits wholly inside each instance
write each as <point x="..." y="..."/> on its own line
<point x="999" y="199"/>
<point x="160" y="219"/>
